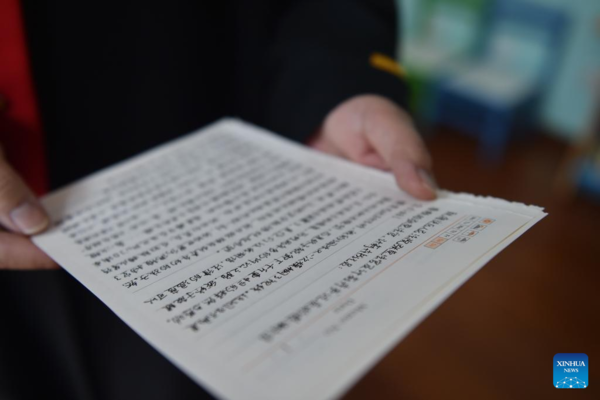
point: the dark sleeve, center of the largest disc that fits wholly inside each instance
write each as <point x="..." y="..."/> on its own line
<point x="320" y="57"/>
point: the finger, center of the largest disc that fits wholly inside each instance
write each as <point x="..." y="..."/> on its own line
<point x="324" y="144"/>
<point x="345" y="137"/>
<point x="372" y="159"/>
<point x="19" y="210"/>
<point x="391" y="133"/>
<point x="19" y="253"/>
<point x="414" y="180"/>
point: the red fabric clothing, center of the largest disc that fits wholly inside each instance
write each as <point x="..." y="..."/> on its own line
<point x="20" y="126"/>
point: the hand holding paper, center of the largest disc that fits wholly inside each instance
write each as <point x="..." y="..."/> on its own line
<point x="265" y="270"/>
<point x="373" y="131"/>
<point x="20" y="214"/>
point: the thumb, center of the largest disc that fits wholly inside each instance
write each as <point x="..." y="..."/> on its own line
<point x="19" y="209"/>
<point x="391" y="132"/>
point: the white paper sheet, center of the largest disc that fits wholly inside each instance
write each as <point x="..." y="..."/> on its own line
<point x="266" y="270"/>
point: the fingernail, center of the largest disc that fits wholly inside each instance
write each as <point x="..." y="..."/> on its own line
<point x="29" y="218"/>
<point x="427" y="180"/>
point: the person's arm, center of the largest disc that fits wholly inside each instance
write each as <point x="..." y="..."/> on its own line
<point x="323" y="84"/>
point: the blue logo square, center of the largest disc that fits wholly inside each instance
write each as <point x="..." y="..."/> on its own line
<point x="571" y="371"/>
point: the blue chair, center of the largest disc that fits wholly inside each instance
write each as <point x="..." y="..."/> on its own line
<point x="501" y="90"/>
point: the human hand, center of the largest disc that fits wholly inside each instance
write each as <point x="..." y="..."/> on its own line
<point x="373" y="131"/>
<point x="20" y="215"/>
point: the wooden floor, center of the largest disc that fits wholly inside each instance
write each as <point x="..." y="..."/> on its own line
<point x="496" y="337"/>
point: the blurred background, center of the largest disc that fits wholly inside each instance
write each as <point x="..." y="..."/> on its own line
<point x="503" y="70"/>
<point x="507" y="94"/>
